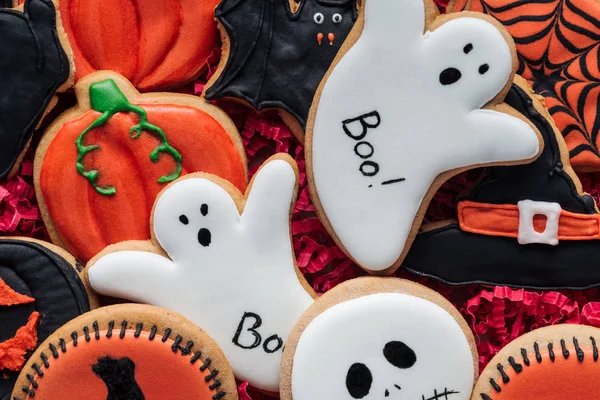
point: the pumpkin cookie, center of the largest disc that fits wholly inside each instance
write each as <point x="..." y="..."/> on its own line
<point x="36" y="66"/>
<point x="554" y="363"/>
<point x="211" y="242"/>
<point x="100" y="165"/>
<point x="131" y="352"/>
<point x="378" y="338"/>
<point x="40" y="290"/>
<point x="156" y="44"/>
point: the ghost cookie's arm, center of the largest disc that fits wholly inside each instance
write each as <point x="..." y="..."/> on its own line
<point x="498" y="137"/>
<point x="132" y="275"/>
<point x="394" y="22"/>
<point x="268" y="207"/>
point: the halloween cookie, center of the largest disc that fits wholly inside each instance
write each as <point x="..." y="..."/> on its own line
<point x="223" y="260"/>
<point x="275" y="53"/>
<point x="127" y="351"/>
<point x="376" y="338"/>
<point x="100" y="165"/>
<point x="378" y="149"/>
<point x="36" y="67"/>
<point x="529" y="225"/>
<point x="40" y="290"/>
<point x="554" y="363"/>
<point x="156" y="44"/>
<point x="557" y="45"/>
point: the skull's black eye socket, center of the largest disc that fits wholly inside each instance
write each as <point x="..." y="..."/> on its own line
<point x="359" y="380"/>
<point x="399" y="355"/>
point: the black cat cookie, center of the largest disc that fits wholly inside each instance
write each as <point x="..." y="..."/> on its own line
<point x="526" y="226"/>
<point x="35" y="65"/>
<point x="127" y="351"/>
<point x="40" y="290"/>
<point x="275" y="53"/>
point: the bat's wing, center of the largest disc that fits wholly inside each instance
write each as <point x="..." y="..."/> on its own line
<point x="249" y="26"/>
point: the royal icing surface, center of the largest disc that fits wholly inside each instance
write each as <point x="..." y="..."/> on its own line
<point x="233" y="275"/>
<point x="378" y="145"/>
<point x="386" y="345"/>
<point x="528" y="209"/>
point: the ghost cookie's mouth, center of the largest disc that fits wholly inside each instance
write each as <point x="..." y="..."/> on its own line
<point x="442" y="395"/>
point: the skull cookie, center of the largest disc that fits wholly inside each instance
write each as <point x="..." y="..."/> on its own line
<point x="231" y="267"/>
<point x="375" y="338"/>
<point x="377" y="149"/>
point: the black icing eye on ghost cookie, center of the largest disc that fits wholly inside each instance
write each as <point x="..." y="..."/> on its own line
<point x="37" y="68"/>
<point x="379" y="338"/>
<point x="285" y="49"/>
<point x="40" y="290"/>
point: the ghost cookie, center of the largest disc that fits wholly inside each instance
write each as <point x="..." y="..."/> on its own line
<point x="36" y="66"/>
<point x="277" y="52"/>
<point x="382" y="138"/>
<point x="229" y="265"/>
<point x="380" y="338"/>
<point x="100" y="165"/>
<point x="40" y="290"/>
<point x="555" y="363"/>
<point x="127" y="352"/>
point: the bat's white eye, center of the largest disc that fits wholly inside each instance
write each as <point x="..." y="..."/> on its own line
<point x="319" y="18"/>
<point x="337" y="18"/>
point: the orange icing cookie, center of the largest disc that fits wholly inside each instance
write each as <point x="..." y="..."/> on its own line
<point x="553" y="363"/>
<point x="154" y="43"/>
<point x="101" y="165"/>
<point x="132" y="352"/>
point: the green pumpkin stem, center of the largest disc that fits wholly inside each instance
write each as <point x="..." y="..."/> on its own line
<point x="107" y="98"/>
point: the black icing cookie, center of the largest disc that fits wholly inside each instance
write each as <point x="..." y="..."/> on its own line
<point x="39" y="292"/>
<point x="277" y="57"/>
<point x="455" y="256"/>
<point x="33" y="67"/>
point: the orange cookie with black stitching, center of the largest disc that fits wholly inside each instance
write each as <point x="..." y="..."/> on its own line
<point x="127" y="351"/>
<point x="553" y="363"/>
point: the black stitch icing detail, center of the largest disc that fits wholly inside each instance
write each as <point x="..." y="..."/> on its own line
<point x="187" y="350"/>
<point x="565" y="352"/>
<point x="551" y="352"/>
<point x="595" y="348"/>
<point x="495" y="386"/>
<point x="505" y="377"/>
<point x="578" y="351"/>
<point x="538" y="355"/>
<point x="525" y="359"/>
<point x="485" y="396"/>
<point x="515" y="365"/>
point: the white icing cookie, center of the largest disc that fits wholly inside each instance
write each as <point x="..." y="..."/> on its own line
<point x="233" y="275"/>
<point x="380" y="338"/>
<point x="384" y="135"/>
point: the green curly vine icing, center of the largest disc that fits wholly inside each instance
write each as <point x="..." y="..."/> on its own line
<point x="107" y="98"/>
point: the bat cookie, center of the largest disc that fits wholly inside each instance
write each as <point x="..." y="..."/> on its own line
<point x="527" y="226"/>
<point x="557" y="45"/>
<point x="384" y="136"/>
<point x="100" y="166"/>
<point x="380" y="338"/>
<point x="35" y="66"/>
<point x="156" y="44"/>
<point x="230" y="266"/>
<point x="275" y="53"/>
<point x="127" y="352"/>
<point x="40" y="290"/>
<point x="558" y="362"/>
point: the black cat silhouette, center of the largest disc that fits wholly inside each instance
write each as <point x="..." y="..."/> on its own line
<point x="33" y="66"/>
<point x="119" y="377"/>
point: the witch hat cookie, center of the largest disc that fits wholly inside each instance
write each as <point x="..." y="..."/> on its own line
<point x="554" y="363"/>
<point x="382" y="137"/>
<point x="127" y="352"/>
<point x="380" y="338"/>
<point x="223" y="260"/>
<point x="36" y="65"/>
<point x="527" y="226"/>
<point x="40" y="290"/>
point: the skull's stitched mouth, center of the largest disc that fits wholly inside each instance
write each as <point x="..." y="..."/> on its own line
<point x="445" y="395"/>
